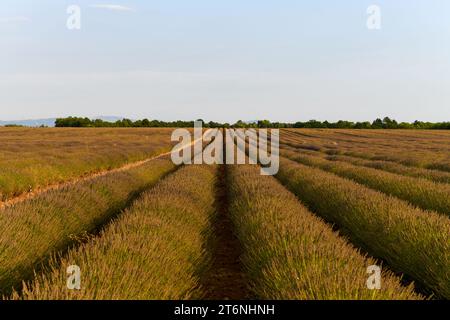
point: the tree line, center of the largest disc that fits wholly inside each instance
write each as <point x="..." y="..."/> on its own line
<point x="385" y="123"/>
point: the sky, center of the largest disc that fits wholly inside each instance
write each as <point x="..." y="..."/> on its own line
<point x="226" y="60"/>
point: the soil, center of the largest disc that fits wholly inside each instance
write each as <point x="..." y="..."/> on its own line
<point x="225" y="279"/>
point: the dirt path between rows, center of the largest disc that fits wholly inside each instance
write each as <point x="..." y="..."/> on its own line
<point x="225" y="279"/>
<point x="56" y="186"/>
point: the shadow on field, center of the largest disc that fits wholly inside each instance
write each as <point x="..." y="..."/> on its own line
<point x="224" y="279"/>
<point x="76" y="241"/>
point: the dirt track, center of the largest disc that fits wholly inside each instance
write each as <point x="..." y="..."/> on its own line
<point x="225" y="279"/>
<point x="56" y="186"/>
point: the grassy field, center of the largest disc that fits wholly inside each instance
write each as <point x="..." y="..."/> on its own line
<point x="412" y="148"/>
<point x="153" y="251"/>
<point x="32" y="158"/>
<point x="34" y="230"/>
<point x="421" y="192"/>
<point x="291" y="254"/>
<point x="411" y="240"/>
<point x="342" y="201"/>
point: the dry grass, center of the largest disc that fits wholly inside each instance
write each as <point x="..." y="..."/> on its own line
<point x="291" y="254"/>
<point x="155" y="250"/>
<point x="35" y="229"/>
<point x="413" y="148"/>
<point x="433" y="175"/>
<point x="32" y="158"/>
<point x="410" y="240"/>
<point x="393" y="167"/>
<point x="421" y="192"/>
<point x="158" y="248"/>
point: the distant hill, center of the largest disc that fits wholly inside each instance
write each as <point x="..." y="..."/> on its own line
<point x="49" y="122"/>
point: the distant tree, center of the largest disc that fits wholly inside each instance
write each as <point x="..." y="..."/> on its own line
<point x="146" y="123"/>
<point x="377" y="124"/>
<point x="386" y="123"/>
<point x="314" y="124"/>
<point x="344" y="124"/>
<point x="389" y="124"/>
<point x="264" y="124"/>
<point x="239" y="124"/>
<point x="363" y="125"/>
<point x="405" y="125"/>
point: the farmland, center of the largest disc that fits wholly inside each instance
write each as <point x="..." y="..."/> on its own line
<point x="34" y="158"/>
<point x="341" y="202"/>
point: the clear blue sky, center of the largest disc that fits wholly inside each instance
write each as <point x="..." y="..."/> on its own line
<point x="226" y="60"/>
